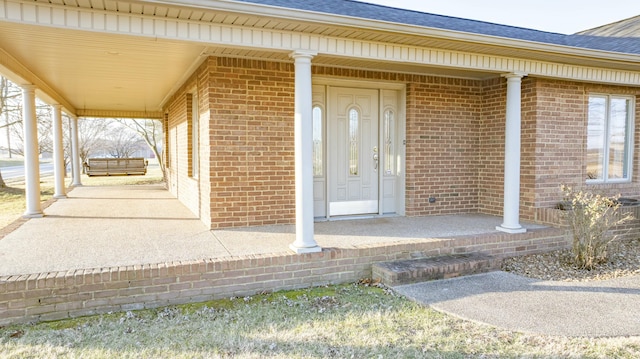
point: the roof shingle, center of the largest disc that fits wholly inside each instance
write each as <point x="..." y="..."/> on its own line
<point x="362" y="10"/>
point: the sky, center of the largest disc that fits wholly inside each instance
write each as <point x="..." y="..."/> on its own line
<point x="560" y="16"/>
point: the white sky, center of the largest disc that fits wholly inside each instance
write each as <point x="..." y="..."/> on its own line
<point x="561" y="16"/>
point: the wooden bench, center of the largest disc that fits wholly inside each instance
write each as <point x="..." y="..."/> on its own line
<point x="115" y="166"/>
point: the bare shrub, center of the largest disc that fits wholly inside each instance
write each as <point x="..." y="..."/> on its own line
<point x="591" y="218"/>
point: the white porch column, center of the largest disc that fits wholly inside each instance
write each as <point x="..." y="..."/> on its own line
<point x="75" y="153"/>
<point x="31" y="153"/>
<point x="58" y="154"/>
<point x="511" y="212"/>
<point x="304" y="243"/>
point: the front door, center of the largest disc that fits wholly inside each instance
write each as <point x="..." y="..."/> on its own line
<point x="353" y="151"/>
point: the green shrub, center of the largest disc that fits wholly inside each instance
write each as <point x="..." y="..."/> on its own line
<point x="591" y="218"/>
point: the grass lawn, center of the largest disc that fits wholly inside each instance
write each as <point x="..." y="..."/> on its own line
<point x="12" y="200"/>
<point x="348" y="321"/>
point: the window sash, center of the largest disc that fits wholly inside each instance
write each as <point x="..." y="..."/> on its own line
<point x="609" y="139"/>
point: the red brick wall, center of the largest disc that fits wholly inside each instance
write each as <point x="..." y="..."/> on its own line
<point x="443" y="117"/>
<point x="557" y="147"/>
<point x="180" y="181"/>
<point x="556" y="144"/>
<point x="251" y="165"/>
<point x="60" y="295"/>
<point x="554" y="120"/>
<point x="454" y="142"/>
<point x="491" y="146"/>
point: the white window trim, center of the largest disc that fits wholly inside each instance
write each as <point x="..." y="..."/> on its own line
<point x="628" y="140"/>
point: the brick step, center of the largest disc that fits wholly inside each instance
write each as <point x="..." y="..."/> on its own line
<point x="425" y="269"/>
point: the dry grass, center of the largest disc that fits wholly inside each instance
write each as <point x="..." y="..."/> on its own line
<point x="12" y="200"/>
<point x="349" y="321"/>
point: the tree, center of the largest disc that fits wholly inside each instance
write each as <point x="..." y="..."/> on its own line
<point x="10" y="110"/>
<point x="151" y="133"/>
<point x="91" y="136"/>
<point x="45" y="126"/>
<point x="9" y="96"/>
<point x="121" y="142"/>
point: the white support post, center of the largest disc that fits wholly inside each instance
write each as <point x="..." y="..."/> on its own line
<point x="511" y="210"/>
<point x="75" y="154"/>
<point x="31" y="153"/>
<point x="304" y="243"/>
<point x="58" y="154"/>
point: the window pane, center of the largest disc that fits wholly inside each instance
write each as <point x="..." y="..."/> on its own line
<point x="353" y="141"/>
<point x="618" y="138"/>
<point x="317" y="142"/>
<point x="596" y="137"/>
<point x="388" y="142"/>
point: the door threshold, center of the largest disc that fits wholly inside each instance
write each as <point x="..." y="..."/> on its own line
<point x="354" y="217"/>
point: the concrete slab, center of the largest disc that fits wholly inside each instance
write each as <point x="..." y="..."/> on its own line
<point x="583" y="309"/>
<point x="361" y="232"/>
<point x="108" y="226"/>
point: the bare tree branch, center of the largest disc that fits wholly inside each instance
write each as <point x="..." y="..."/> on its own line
<point x="10" y="124"/>
<point x="122" y="142"/>
<point x="151" y="132"/>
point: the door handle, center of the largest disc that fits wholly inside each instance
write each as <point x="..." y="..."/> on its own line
<point x="375" y="161"/>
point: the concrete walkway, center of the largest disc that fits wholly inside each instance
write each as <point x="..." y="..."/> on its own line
<point x="585" y="309"/>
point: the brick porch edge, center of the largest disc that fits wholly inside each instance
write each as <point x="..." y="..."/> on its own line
<point x="60" y="295"/>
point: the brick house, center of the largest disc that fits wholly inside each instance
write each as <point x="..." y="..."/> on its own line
<point x="282" y="111"/>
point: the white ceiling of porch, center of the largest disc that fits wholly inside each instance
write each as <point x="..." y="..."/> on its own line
<point x="100" y="71"/>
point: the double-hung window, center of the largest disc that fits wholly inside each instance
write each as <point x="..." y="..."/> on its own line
<point x="609" y="138"/>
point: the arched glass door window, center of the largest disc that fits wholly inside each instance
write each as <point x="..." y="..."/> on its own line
<point x="318" y="155"/>
<point x="354" y="143"/>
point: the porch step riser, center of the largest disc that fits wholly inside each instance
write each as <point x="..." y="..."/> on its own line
<point x="426" y="269"/>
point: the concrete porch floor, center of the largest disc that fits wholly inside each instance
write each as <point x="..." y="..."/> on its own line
<point x="112" y="226"/>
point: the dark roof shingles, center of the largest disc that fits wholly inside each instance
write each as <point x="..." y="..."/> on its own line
<point x="357" y="9"/>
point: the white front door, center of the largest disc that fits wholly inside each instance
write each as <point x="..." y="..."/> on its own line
<point x="353" y="151"/>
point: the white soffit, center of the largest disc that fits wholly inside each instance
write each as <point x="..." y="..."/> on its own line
<point x="101" y="71"/>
